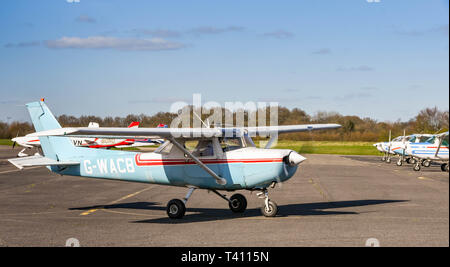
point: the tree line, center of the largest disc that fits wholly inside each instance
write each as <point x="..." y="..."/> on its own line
<point x="354" y="128"/>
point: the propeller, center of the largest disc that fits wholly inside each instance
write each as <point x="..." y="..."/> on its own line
<point x="390" y="143"/>
<point x="404" y="144"/>
<point x="14" y="143"/>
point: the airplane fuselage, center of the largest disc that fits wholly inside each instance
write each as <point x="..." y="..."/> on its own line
<point x="244" y="168"/>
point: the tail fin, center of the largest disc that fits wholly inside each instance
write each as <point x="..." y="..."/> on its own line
<point x="134" y="124"/>
<point x="53" y="147"/>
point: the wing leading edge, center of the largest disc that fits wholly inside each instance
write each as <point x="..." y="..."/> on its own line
<point x="115" y="132"/>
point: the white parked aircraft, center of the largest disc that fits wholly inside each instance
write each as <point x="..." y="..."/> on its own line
<point x="397" y="147"/>
<point x="29" y="141"/>
<point x="435" y="149"/>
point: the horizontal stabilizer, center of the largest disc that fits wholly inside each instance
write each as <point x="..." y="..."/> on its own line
<point x="38" y="160"/>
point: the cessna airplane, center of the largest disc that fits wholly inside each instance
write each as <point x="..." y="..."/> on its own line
<point x="398" y="147"/>
<point x="222" y="158"/>
<point x="435" y="149"/>
<point x="29" y="141"/>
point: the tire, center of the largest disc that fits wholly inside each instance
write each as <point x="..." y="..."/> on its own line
<point x="176" y="209"/>
<point x="413" y="161"/>
<point x="383" y="158"/>
<point x="408" y="160"/>
<point x="388" y="160"/>
<point x="416" y="167"/>
<point x="399" y="162"/>
<point x="272" y="212"/>
<point x="238" y="203"/>
<point x="444" y="167"/>
<point x="426" y="163"/>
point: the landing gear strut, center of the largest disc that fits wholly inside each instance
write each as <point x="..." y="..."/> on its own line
<point x="270" y="208"/>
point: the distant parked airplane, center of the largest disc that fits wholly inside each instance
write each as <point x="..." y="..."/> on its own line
<point x="28" y="141"/>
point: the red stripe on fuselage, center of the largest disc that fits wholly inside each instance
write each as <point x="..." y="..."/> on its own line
<point x="159" y="162"/>
<point x="123" y="143"/>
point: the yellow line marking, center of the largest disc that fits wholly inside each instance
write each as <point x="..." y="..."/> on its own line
<point x="424" y="178"/>
<point x="89" y="212"/>
<point x="131" y="213"/>
<point x="118" y="200"/>
<point x="318" y="188"/>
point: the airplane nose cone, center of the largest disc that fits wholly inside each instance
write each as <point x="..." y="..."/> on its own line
<point x="294" y="158"/>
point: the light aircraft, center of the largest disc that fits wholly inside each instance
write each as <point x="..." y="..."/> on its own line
<point x="29" y="141"/>
<point x="435" y="149"/>
<point x="398" y="145"/>
<point x="222" y="158"/>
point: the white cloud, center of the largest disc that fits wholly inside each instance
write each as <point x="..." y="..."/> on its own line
<point x="103" y="42"/>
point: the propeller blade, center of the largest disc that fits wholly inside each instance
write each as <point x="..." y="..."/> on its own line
<point x="14" y="144"/>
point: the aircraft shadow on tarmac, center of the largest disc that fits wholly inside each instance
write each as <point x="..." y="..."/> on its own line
<point x="209" y="214"/>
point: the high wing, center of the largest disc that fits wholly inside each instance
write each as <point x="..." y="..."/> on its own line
<point x="38" y="160"/>
<point x="136" y="133"/>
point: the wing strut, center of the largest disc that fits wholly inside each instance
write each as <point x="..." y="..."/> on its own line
<point x="441" y="139"/>
<point x="219" y="180"/>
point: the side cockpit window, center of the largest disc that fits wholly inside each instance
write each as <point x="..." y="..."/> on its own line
<point x="229" y="144"/>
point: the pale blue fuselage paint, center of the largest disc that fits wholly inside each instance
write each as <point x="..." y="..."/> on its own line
<point x="121" y="165"/>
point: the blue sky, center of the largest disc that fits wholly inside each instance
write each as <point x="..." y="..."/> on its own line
<point x="383" y="60"/>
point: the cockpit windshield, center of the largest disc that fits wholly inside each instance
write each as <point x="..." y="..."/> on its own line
<point x="445" y="141"/>
<point x="431" y="140"/>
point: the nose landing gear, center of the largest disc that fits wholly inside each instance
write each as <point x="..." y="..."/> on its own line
<point x="270" y="208"/>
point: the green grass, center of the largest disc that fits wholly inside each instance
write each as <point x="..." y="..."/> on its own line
<point x="6" y="142"/>
<point x="329" y="147"/>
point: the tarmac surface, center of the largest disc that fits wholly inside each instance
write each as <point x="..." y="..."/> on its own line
<point x="331" y="201"/>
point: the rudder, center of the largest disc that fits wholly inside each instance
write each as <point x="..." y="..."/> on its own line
<point x="43" y="119"/>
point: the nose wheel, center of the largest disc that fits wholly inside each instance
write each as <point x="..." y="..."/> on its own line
<point x="270" y="208"/>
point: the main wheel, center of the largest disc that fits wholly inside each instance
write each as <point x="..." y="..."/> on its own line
<point x="237" y="203"/>
<point x="416" y="167"/>
<point x="408" y="160"/>
<point x="176" y="209"/>
<point x="399" y="162"/>
<point x="271" y="211"/>
<point x="444" y="167"/>
<point x="426" y="163"/>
